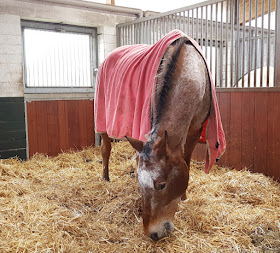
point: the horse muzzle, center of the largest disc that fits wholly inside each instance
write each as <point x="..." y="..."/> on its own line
<point x="161" y="231"/>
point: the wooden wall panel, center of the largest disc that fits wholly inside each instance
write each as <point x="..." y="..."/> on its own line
<point x="56" y="126"/>
<point x="12" y="128"/>
<point x="235" y="130"/>
<point x="247" y="131"/>
<point x="225" y="106"/>
<point x="260" y="133"/>
<point x="273" y="150"/>
<point x="251" y="122"/>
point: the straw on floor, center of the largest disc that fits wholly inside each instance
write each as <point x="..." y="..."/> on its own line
<point x="62" y="204"/>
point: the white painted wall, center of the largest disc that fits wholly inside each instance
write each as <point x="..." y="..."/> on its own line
<point x="11" y="13"/>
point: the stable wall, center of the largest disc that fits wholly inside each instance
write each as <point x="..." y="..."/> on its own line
<point x="18" y="133"/>
<point x="251" y="120"/>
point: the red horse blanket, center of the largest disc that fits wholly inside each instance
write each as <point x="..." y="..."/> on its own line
<point x="123" y="93"/>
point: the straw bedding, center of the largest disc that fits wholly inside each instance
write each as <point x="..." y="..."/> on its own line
<point x="62" y="204"/>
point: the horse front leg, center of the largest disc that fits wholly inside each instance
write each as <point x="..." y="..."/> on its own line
<point x="105" y="151"/>
<point x="192" y="140"/>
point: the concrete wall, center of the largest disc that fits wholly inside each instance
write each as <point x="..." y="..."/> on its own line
<point x="11" y="13"/>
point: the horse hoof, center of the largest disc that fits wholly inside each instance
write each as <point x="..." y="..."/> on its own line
<point x="107" y="178"/>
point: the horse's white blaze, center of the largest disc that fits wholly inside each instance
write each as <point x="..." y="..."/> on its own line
<point x="146" y="178"/>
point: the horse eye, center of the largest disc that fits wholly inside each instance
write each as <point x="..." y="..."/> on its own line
<point x="161" y="186"/>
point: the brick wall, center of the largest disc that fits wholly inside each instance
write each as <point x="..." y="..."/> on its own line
<point x="10" y="56"/>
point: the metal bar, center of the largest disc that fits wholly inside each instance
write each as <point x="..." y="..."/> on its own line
<point x="184" y="22"/>
<point x="237" y="42"/>
<point x="216" y="46"/>
<point x="192" y="23"/>
<point x="277" y="45"/>
<point x="268" y="42"/>
<point x="256" y="44"/>
<point x="206" y="33"/>
<point x="190" y="7"/>
<point x="249" y="43"/>
<point x="262" y="45"/>
<point x="243" y="42"/>
<point x="221" y="46"/>
<point x="197" y="25"/>
<point x="211" y="37"/>
<point x="189" y="22"/>
<point x="226" y="43"/>
<point x="201" y="33"/>
<point x="232" y="41"/>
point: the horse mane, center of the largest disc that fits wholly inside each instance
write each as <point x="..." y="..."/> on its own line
<point x="165" y="76"/>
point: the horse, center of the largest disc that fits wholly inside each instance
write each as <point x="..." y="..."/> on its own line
<point x="181" y="105"/>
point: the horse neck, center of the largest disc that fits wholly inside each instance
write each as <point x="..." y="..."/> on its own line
<point x="186" y="92"/>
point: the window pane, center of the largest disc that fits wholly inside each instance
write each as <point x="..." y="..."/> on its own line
<point x="56" y="59"/>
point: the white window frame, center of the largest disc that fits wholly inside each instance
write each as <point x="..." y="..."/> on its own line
<point x="62" y="28"/>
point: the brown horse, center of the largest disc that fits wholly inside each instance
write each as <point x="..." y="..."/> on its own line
<point x="182" y="104"/>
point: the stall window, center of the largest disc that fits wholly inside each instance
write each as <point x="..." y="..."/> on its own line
<point x="58" y="56"/>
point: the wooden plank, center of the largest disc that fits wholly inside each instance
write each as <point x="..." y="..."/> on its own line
<point x="13" y="144"/>
<point x="12" y="126"/>
<point x="276" y="134"/>
<point x="11" y="111"/>
<point x="90" y="123"/>
<point x="21" y="153"/>
<point x="235" y="130"/>
<point x="260" y="134"/>
<point x="247" y="133"/>
<point x="32" y="128"/>
<point x="52" y="117"/>
<point x="225" y="106"/>
<point x="63" y="131"/>
<point x="42" y="126"/>
<point x="12" y="99"/>
<point x="83" y="118"/>
<point x="273" y="156"/>
<point x="12" y="135"/>
<point x="73" y="123"/>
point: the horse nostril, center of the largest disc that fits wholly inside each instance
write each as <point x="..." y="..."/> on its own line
<point x="167" y="226"/>
<point x="154" y="236"/>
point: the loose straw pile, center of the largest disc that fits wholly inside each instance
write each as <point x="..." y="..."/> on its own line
<point x="62" y="204"/>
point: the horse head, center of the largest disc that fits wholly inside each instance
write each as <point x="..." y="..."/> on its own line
<point x="163" y="178"/>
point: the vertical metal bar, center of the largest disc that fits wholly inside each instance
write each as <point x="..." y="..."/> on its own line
<point x="249" y="43"/>
<point x="268" y="42"/>
<point x="226" y="43"/>
<point x="197" y="25"/>
<point x="189" y="23"/>
<point x="221" y="46"/>
<point x="184" y="22"/>
<point x="160" y="30"/>
<point x="206" y="33"/>
<point x="201" y="23"/>
<point x="243" y="42"/>
<point x="256" y="43"/>
<point x="211" y="36"/>
<point x="277" y="45"/>
<point x="216" y="46"/>
<point x="262" y="45"/>
<point x="232" y="41"/>
<point x="237" y="53"/>
<point x="192" y="23"/>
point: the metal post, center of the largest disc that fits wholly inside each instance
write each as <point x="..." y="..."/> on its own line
<point x="277" y="45"/>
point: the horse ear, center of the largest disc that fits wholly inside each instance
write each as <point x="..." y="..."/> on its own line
<point x="161" y="145"/>
<point x="136" y="144"/>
